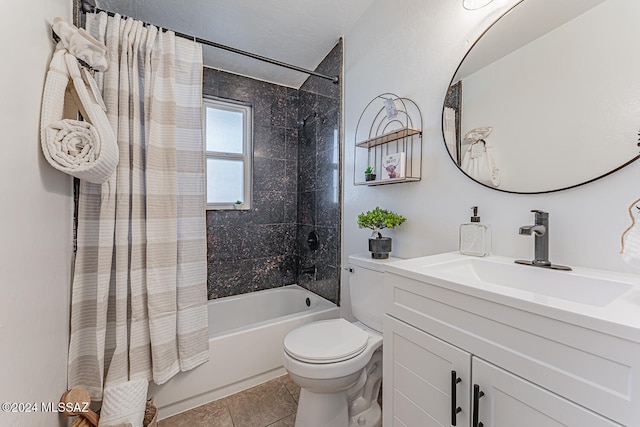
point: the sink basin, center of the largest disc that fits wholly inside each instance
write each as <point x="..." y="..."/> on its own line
<point x="583" y="288"/>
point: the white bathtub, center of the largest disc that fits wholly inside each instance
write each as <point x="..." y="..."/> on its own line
<point x="246" y="333"/>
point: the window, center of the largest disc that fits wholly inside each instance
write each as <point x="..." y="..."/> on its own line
<point x="228" y="146"/>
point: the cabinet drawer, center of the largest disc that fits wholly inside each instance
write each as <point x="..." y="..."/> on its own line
<point x="595" y="370"/>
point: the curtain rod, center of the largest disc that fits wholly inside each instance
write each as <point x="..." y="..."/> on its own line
<point x="87" y="7"/>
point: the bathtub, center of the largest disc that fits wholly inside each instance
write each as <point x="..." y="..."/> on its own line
<point x="246" y="333"/>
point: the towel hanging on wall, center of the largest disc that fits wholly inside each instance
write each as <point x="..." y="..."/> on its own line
<point x="84" y="149"/>
<point x="631" y="237"/>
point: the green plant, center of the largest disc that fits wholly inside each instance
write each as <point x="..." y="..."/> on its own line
<point x="238" y="202"/>
<point x="378" y="219"/>
<point x="368" y="170"/>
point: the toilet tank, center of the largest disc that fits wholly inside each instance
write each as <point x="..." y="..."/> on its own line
<point x="366" y="283"/>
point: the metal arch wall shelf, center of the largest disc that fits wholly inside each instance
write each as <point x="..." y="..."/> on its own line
<point x="392" y="145"/>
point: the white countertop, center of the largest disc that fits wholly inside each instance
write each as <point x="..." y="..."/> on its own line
<point x="605" y="301"/>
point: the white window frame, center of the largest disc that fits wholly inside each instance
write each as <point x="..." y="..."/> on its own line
<point x="247" y="146"/>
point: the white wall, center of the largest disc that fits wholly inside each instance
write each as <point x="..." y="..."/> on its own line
<point x="412" y="48"/>
<point x="36" y="218"/>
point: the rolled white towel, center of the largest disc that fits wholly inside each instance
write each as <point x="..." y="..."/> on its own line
<point x="73" y="143"/>
<point x="87" y="150"/>
<point x="479" y="164"/>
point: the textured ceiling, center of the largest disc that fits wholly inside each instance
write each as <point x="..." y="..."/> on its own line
<point x="298" y="32"/>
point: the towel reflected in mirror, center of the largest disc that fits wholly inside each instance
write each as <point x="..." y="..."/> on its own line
<point x="478" y="161"/>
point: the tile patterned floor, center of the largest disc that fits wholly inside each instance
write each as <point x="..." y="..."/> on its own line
<point x="272" y="404"/>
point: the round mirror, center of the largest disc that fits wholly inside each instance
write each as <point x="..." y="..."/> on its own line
<point x="548" y="98"/>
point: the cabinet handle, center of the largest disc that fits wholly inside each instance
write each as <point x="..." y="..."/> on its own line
<point x="477" y="394"/>
<point x="455" y="409"/>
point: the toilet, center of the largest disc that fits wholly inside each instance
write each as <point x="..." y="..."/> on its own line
<point x="338" y="364"/>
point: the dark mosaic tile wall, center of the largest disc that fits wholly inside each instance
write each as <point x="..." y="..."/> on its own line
<point x="319" y="179"/>
<point x="295" y="189"/>
<point x="256" y="249"/>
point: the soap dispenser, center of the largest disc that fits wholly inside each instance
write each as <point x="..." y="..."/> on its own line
<point x="475" y="237"/>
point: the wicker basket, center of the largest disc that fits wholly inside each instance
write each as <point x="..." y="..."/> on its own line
<point x="150" y="415"/>
<point x="81" y="422"/>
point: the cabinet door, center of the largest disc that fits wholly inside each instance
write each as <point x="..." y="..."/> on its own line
<point x="420" y="386"/>
<point x="509" y="400"/>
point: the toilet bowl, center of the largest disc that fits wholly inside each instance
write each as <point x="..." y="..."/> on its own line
<point x="338" y="364"/>
<point x="333" y="376"/>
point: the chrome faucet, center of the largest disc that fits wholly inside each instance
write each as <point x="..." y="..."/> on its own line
<point x="540" y="231"/>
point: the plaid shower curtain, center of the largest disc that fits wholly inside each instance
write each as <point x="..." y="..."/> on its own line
<point x="139" y="289"/>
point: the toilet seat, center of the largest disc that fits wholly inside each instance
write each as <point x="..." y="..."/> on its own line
<point x="327" y="341"/>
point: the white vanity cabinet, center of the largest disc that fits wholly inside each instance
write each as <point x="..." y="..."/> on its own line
<point x="523" y="369"/>
<point x="421" y="375"/>
<point x="429" y="382"/>
<point x="508" y="400"/>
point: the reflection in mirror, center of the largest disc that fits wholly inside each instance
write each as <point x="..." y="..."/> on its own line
<point x="559" y="84"/>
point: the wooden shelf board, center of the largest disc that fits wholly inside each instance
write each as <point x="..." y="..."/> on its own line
<point x="387" y="181"/>
<point x="389" y="137"/>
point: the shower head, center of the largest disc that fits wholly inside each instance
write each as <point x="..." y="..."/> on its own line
<point x="311" y="117"/>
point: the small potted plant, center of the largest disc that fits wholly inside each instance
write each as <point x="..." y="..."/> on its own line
<point x="378" y="219"/>
<point x="237" y="205"/>
<point x="369" y="174"/>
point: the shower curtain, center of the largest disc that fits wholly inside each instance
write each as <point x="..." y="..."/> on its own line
<point x="139" y="290"/>
<point x="449" y="127"/>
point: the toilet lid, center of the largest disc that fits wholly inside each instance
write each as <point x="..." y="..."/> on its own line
<point x="326" y="341"/>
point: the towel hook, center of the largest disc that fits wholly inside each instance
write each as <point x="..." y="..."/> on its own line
<point x="87" y="66"/>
